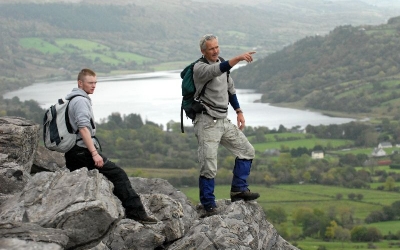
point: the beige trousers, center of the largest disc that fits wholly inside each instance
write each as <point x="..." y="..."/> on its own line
<point x="210" y="134"/>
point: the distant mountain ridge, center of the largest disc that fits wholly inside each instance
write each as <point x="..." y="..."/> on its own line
<point x="352" y="70"/>
<point x="45" y="39"/>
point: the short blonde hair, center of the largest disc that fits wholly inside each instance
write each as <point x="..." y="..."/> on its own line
<point x="85" y="72"/>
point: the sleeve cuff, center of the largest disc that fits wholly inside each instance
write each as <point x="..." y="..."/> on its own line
<point x="234" y="101"/>
<point x="224" y="66"/>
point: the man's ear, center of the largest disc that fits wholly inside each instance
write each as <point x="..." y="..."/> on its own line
<point x="80" y="84"/>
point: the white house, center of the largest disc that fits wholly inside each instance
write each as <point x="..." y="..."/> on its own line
<point x="299" y="131"/>
<point x="378" y="152"/>
<point x="385" y="145"/>
<point x="317" y="155"/>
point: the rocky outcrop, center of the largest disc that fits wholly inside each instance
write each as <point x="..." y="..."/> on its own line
<point x="59" y="209"/>
<point x="18" y="143"/>
<point x="46" y="160"/>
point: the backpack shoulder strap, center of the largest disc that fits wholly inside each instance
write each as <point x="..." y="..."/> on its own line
<point x="67" y="121"/>
<point x="228" y="72"/>
<point x="204" y="60"/>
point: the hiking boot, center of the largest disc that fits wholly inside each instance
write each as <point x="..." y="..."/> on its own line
<point x="141" y="217"/>
<point x="245" y="195"/>
<point x="210" y="212"/>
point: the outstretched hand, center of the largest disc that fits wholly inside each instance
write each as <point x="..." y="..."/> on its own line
<point x="248" y="56"/>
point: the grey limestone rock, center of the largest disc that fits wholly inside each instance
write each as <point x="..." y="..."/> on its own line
<point x="18" y="143"/>
<point x="238" y="225"/>
<point x="52" y="208"/>
<point x="17" y="244"/>
<point x="47" y="160"/>
<point x="161" y="186"/>
<point x="81" y="203"/>
<point x="29" y="233"/>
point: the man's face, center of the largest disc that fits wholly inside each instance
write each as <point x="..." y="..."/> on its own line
<point x="88" y="84"/>
<point x="211" y="53"/>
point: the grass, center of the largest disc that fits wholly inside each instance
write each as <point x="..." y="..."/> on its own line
<point x="385" y="168"/>
<point x="104" y="58"/>
<point x="89" y="49"/>
<point x="387" y="227"/>
<point x="312" y="244"/>
<point x="129" y="57"/>
<point x="40" y="45"/>
<point x="292" y="140"/>
<point x="292" y="197"/>
<point x="160" y="173"/>
<point x="81" y="44"/>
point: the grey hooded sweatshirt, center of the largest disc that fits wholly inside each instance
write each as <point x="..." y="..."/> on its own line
<point x="216" y="94"/>
<point x="81" y="115"/>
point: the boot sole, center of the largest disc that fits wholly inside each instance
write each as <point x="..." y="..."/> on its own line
<point x="148" y="222"/>
<point x="239" y="199"/>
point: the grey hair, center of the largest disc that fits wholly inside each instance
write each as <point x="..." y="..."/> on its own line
<point x="205" y="38"/>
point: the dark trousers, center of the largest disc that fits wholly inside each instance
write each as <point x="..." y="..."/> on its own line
<point x="79" y="157"/>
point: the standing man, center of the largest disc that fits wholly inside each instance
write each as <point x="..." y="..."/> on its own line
<point x="212" y="127"/>
<point x="86" y="152"/>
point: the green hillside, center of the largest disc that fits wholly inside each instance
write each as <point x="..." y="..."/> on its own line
<point x="43" y="39"/>
<point x="352" y="69"/>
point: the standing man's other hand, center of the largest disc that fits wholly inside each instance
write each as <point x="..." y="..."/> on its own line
<point x="240" y="121"/>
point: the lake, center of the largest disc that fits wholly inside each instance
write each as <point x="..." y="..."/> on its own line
<point x="156" y="97"/>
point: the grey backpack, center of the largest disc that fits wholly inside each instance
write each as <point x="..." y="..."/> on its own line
<point x="58" y="134"/>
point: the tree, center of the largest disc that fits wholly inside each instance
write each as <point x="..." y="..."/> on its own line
<point x="259" y="136"/>
<point x="390" y="213"/>
<point x="375" y="216"/>
<point x="396" y="207"/>
<point x="390" y="183"/>
<point x="342" y="234"/>
<point x="373" y="234"/>
<point x="330" y="230"/>
<point x="269" y="180"/>
<point x="277" y="215"/>
<point x="300" y="214"/>
<point x="359" y="233"/>
<point x="351" y="196"/>
<point x="346" y="216"/>
<point x="133" y="121"/>
<point x="282" y="129"/>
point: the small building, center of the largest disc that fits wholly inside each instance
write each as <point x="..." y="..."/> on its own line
<point x="298" y="130"/>
<point x="317" y="155"/>
<point x="272" y="152"/>
<point x="385" y="145"/>
<point x="378" y="152"/>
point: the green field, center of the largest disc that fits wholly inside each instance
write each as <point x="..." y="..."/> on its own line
<point x="40" y="45"/>
<point x="291" y="140"/>
<point x="312" y="244"/>
<point x="81" y="44"/>
<point x="92" y="50"/>
<point x="160" y="173"/>
<point x="292" y="197"/>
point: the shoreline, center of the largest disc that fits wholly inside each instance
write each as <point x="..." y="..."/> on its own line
<point x="334" y="114"/>
<point x="128" y="74"/>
